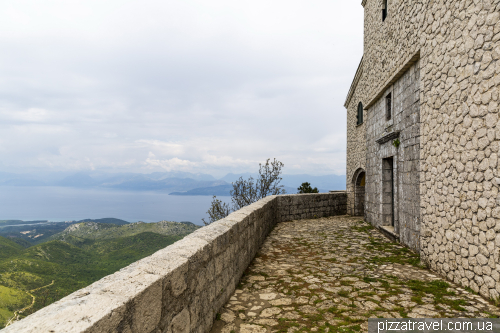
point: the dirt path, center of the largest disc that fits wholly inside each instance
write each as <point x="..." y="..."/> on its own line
<point x="331" y="275"/>
<point x="18" y="312"/>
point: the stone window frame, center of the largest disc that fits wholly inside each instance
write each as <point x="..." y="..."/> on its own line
<point x="385" y="7"/>
<point x="389" y="119"/>
<point x="358" y="113"/>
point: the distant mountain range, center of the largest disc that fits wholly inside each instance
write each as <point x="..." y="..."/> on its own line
<point x="176" y="183"/>
<point x="225" y="191"/>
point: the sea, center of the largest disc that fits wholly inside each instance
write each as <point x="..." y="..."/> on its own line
<point x="56" y="204"/>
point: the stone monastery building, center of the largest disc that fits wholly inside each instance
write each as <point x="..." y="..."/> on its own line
<point x="423" y="133"/>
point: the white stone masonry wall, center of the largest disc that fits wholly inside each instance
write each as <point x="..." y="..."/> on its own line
<point x="457" y="43"/>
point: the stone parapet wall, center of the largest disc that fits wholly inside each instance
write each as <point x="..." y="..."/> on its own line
<point x="181" y="287"/>
<point x="308" y="206"/>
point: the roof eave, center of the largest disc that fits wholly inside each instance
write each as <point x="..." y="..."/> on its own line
<point x="354" y="83"/>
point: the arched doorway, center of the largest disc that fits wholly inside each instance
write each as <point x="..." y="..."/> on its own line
<point x="359" y="193"/>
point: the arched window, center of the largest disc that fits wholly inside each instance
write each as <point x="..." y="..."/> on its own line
<point x="360" y="114"/>
<point x="384" y="10"/>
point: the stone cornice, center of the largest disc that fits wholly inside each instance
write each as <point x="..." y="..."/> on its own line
<point x="354" y="83"/>
<point x="397" y="74"/>
<point x="388" y="137"/>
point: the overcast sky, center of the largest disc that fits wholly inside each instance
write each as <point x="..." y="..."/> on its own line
<point x="200" y="86"/>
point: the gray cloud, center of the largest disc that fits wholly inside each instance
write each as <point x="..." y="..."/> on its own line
<point x="197" y="86"/>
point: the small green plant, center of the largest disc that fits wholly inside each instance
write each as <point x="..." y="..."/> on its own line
<point x="396" y="143"/>
<point x="368" y="279"/>
<point x="343" y="293"/>
<point x="469" y="289"/>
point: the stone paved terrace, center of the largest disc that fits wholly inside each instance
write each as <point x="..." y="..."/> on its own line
<point x="332" y="274"/>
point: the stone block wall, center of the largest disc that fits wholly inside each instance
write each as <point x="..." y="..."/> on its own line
<point x="356" y="144"/>
<point x="181" y="287"/>
<point x="306" y="206"/>
<point x="461" y="134"/>
<point x="457" y="43"/>
<point x="393" y="173"/>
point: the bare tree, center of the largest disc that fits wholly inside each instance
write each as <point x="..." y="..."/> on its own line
<point x="246" y="192"/>
<point x="218" y="210"/>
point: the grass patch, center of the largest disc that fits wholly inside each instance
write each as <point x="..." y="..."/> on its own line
<point x="403" y="314"/>
<point x="385" y="284"/>
<point x="342" y="329"/>
<point x="343" y="293"/>
<point x="367" y="293"/>
<point x="395" y="254"/>
<point x="284" y="325"/>
<point x="469" y="289"/>
<point x="363" y="228"/>
<point x="491" y="315"/>
<point x="417" y="299"/>
<point x="314" y="317"/>
<point x="369" y="279"/>
<point x="438" y="289"/>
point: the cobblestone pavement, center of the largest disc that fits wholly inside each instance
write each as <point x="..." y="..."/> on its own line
<point x="331" y="275"/>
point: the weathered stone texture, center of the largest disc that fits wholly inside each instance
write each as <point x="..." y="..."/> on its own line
<point x="356" y="144"/>
<point x="458" y="46"/>
<point x="297" y="207"/>
<point x="311" y="275"/>
<point x="181" y="287"/>
<point x="405" y="121"/>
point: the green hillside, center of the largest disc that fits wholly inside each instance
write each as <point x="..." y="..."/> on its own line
<point x="111" y="220"/>
<point x="93" y="230"/>
<point x="23" y="243"/>
<point x="37" y="232"/>
<point x="82" y="254"/>
<point x="9" y="248"/>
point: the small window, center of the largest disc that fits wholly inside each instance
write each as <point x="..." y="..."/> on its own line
<point x="360" y="114"/>
<point x="388" y="106"/>
<point x="384" y="10"/>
